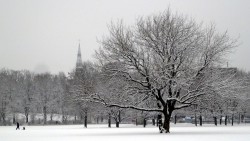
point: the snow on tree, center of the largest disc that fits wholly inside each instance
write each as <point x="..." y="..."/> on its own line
<point x="167" y="59"/>
<point x="4" y="97"/>
<point x="44" y="90"/>
<point x="82" y="85"/>
<point x="27" y="91"/>
<point x="13" y="92"/>
<point x="29" y="94"/>
<point x="9" y="94"/>
<point x="111" y="89"/>
<point x="64" y="103"/>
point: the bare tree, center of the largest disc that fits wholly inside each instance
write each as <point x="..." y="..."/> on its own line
<point x="112" y="89"/>
<point x="167" y="59"/>
<point x="4" y="96"/>
<point x="44" y="89"/>
<point x="9" y="93"/>
<point x="64" y="100"/>
<point x="27" y="90"/>
<point x="82" y="85"/>
<point x="28" y="94"/>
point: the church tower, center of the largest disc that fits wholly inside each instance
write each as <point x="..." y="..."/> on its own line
<point x="79" y="59"/>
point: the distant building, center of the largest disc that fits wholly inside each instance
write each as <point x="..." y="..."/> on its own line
<point x="79" y="65"/>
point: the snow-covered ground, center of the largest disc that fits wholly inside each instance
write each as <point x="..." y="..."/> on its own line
<point x="179" y="132"/>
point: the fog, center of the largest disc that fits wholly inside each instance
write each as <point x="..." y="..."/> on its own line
<point x="43" y="35"/>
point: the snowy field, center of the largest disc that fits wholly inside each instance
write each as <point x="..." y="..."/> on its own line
<point x="179" y="132"/>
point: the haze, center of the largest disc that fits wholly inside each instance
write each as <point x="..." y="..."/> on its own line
<point x="43" y="35"/>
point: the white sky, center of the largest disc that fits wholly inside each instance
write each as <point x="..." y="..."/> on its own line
<point x="42" y="35"/>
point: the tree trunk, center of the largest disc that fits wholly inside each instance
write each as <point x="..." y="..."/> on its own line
<point x="66" y="119"/>
<point x="200" y="120"/>
<point x="215" y="121"/>
<point x="51" y="117"/>
<point x="153" y="122"/>
<point x="26" y="117"/>
<point x="220" y="117"/>
<point x="26" y="110"/>
<point x="175" y="119"/>
<point x="63" y="118"/>
<point x="157" y="122"/>
<point x="14" y="119"/>
<point x="144" y="122"/>
<point x="239" y="119"/>
<point x="232" y="119"/>
<point x="117" y="124"/>
<point x="195" y="119"/>
<point x="166" y="124"/>
<point x="243" y="117"/>
<point x="220" y="120"/>
<point x="109" y="121"/>
<point x="118" y="120"/>
<point x="226" y="120"/>
<point x="44" y="115"/>
<point x="86" y="121"/>
<point x="75" y="118"/>
<point x="3" y="117"/>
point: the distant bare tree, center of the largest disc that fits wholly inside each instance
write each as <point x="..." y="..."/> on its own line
<point x="44" y="89"/>
<point x="64" y="100"/>
<point x="4" y="96"/>
<point x="112" y="88"/>
<point x="82" y="85"/>
<point x="28" y="90"/>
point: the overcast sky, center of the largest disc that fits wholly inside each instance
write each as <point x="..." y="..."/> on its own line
<point x="42" y="35"/>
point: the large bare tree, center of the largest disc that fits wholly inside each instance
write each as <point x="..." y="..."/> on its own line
<point x="167" y="59"/>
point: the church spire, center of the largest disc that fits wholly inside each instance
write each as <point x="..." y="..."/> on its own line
<point x="79" y="58"/>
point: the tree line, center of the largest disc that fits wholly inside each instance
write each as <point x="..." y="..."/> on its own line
<point x="29" y="95"/>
